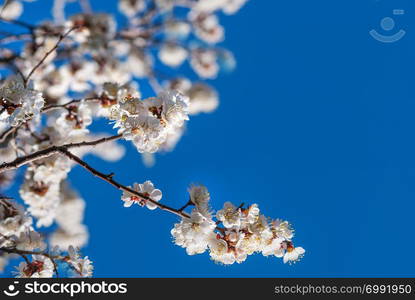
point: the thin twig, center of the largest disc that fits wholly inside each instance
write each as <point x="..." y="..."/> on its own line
<point x="24" y="160"/>
<point x="189" y="203"/>
<point x="64" y="150"/>
<point x="10" y="130"/>
<point x="61" y="38"/>
<point x="6" y="133"/>
<point x="28" y="252"/>
<point x="110" y="180"/>
<point x="65" y="105"/>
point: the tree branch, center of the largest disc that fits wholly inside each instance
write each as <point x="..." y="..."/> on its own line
<point x="64" y="150"/>
<point x="21" y="161"/>
<point x="61" y="38"/>
<point x="10" y="130"/>
<point x="27" y="252"/>
<point x="110" y="180"/>
<point x="65" y="105"/>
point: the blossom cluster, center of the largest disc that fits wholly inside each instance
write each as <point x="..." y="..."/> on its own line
<point x="44" y="266"/>
<point x="16" y="227"/>
<point x="18" y="236"/>
<point x="230" y="235"/>
<point x="19" y="102"/>
<point x="61" y="75"/>
<point x="148" y="123"/>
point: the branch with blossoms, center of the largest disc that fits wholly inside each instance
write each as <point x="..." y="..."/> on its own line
<point x="74" y="70"/>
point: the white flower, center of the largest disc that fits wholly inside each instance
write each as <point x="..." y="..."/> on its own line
<point x="293" y="254"/>
<point x="76" y="121"/>
<point x="139" y="63"/>
<point x="228" y="6"/>
<point x="7" y="152"/>
<point x="110" y="70"/>
<point x="131" y="7"/>
<point x="96" y="29"/>
<point x="147" y="189"/>
<point x="204" y="63"/>
<point x="173" y="137"/>
<point x="74" y="76"/>
<point x="177" y="29"/>
<point x="207" y="28"/>
<point x="6" y="178"/>
<point x="30" y="240"/>
<point x="219" y="251"/>
<point x="148" y="123"/>
<point x="13" y="221"/>
<point x="180" y="84"/>
<point x="12" y="10"/>
<point x="202" y="98"/>
<point x="272" y="247"/>
<point x="245" y="231"/>
<point x="230" y="215"/>
<point x="233" y="6"/>
<point x="209" y="5"/>
<point x="82" y="266"/>
<point x="32" y="55"/>
<point x="39" y="267"/>
<point x="114" y="93"/>
<point x="172" y="55"/>
<point x="69" y="217"/>
<point x="19" y="102"/>
<point x="145" y="131"/>
<point x="41" y="188"/>
<point x="251" y="214"/>
<point x="250" y="244"/>
<point x="70" y="213"/>
<point x="174" y="108"/>
<point x="54" y="83"/>
<point x="77" y="237"/>
<point x="283" y="229"/>
<point x="260" y="227"/>
<point x="193" y="233"/>
<point x="199" y="196"/>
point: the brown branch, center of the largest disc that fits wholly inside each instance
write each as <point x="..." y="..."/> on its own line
<point x="28" y="252"/>
<point x="6" y="133"/>
<point x="189" y="203"/>
<point x="53" y="258"/>
<point x="21" y="161"/>
<point x="10" y="130"/>
<point x="64" y="150"/>
<point x="61" y="38"/>
<point x="110" y="180"/>
<point x="65" y="105"/>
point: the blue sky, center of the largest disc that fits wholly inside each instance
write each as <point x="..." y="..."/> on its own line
<point x="315" y="125"/>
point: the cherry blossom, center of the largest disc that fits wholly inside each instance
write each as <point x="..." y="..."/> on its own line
<point x="124" y="72"/>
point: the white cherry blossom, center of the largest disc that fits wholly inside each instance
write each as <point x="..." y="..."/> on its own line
<point x="147" y="189"/>
<point x="39" y="267"/>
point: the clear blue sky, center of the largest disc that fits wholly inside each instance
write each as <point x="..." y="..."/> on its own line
<point x="316" y="125"/>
